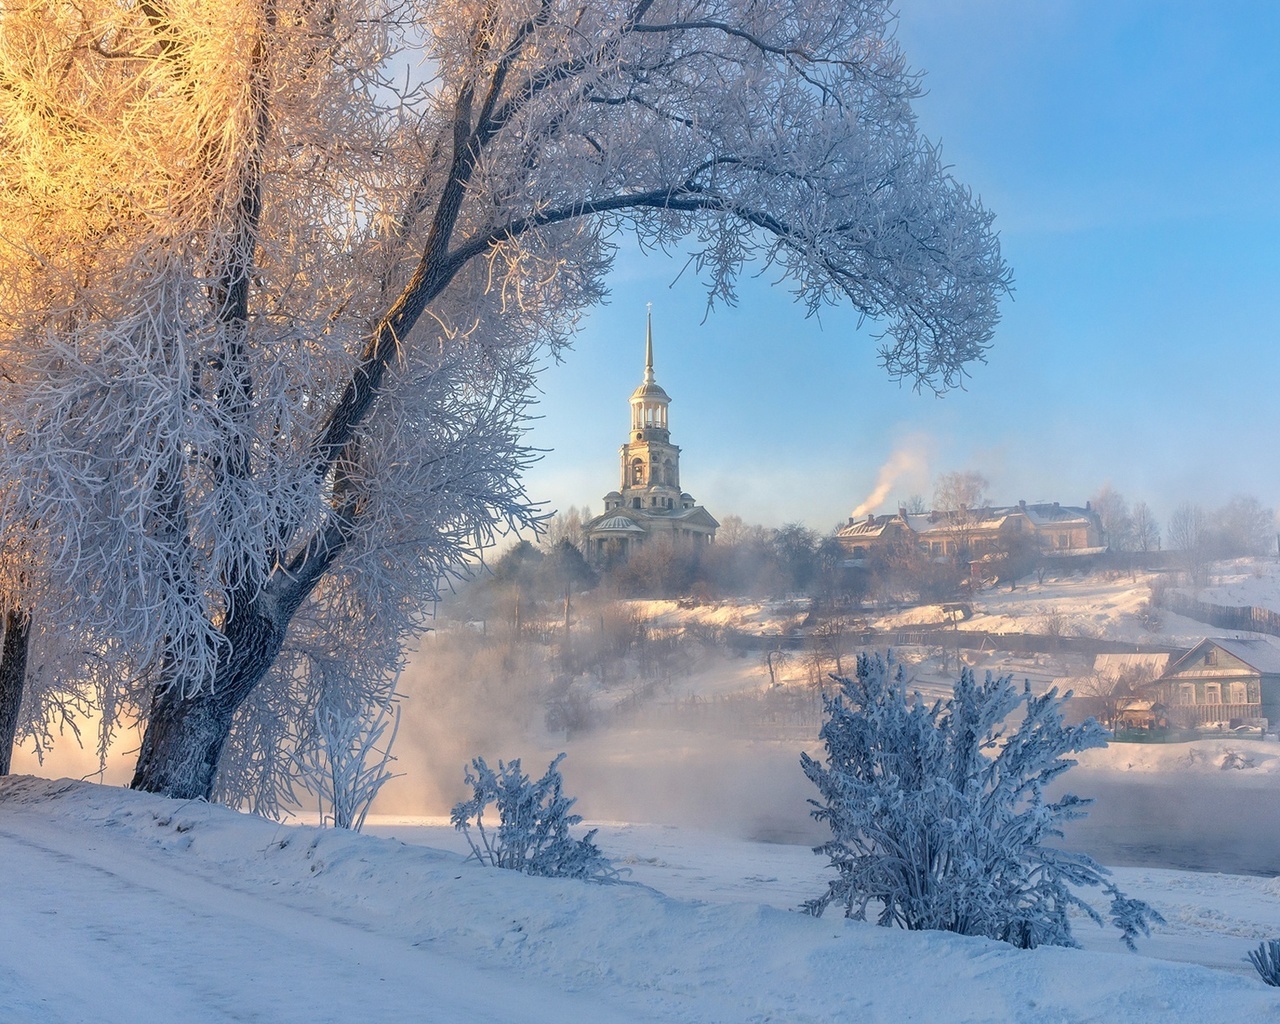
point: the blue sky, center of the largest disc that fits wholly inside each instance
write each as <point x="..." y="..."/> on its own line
<point x="1131" y="152"/>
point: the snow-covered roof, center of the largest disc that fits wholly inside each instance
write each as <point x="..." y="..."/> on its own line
<point x="1257" y="653"/>
<point x="975" y="520"/>
<point x="1058" y="515"/>
<point x="872" y="526"/>
<point x="1113" y="666"/>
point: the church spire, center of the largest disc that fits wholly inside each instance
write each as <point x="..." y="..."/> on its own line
<point x="648" y="346"/>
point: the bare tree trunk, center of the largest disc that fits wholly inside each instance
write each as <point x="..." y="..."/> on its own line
<point x="186" y="733"/>
<point x="13" y="677"/>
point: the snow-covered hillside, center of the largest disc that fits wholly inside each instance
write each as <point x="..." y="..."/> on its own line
<point x="125" y="907"/>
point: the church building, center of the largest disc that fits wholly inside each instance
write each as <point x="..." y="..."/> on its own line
<point x="650" y="506"/>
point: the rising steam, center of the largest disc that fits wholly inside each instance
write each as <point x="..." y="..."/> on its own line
<point x="909" y="462"/>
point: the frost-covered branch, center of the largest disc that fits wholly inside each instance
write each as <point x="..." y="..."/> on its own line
<point x="267" y="324"/>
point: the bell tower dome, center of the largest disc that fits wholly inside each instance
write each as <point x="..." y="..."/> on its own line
<point x="649" y="402"/>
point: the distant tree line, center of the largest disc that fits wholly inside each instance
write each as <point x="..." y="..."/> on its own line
<point x="750" y="560"/>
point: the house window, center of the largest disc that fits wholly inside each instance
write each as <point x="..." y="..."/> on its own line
<point x="1211" y="656"/>
<point x="637" y="472"/>
<point x="1187" y="693"/>
<point x="1239" y="693"/>
<point x="1213" y="693"/>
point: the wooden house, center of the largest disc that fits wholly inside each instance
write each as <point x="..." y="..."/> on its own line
<point x="1222" y="682"/>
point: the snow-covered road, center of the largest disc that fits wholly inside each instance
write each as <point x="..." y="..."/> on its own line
<point x="95" y="933"/>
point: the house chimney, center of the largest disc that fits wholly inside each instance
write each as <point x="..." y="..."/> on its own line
<point x="871" y="520"/>
<point x="902" y="511"/>
<point x="1022" y="504"/>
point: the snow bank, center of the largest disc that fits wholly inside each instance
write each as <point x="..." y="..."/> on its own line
<point x="656" y="957"/>
<point x="1252" y="758"/>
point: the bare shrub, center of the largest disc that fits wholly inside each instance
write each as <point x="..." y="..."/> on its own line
<point x="1053" y="622"/>
<point x="344" y="767"/>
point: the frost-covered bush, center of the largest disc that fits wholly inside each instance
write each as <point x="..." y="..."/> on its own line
<point x="342" y="764"/>
<point x="939" y="816"/>
<point x="1266" y="958"/>
<point x="532" y="835"/>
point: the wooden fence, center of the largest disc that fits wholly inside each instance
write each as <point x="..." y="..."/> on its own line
<point x="1223" y="616"/>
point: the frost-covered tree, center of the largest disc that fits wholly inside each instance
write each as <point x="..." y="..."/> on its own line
<point x="939" y="815"/>
<point x="55" y="653"/>
<point x="271" y="307"/>
<point x="1189" y="533"/>
<point x="13" y="675"/>
<point x="1244" y="526"/>
<point x="1113" y="514"/>
<point x="960" y="496"/>
<point x="1146" y="529"/>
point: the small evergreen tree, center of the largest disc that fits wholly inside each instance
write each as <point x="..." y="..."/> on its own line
<point x="533" y="824"/>
<point x="938" y="814"/>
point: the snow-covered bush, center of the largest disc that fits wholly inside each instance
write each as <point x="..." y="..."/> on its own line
<point x="533" y="824"/>
<point x="1266" y="958"/>
<point x="938" y="813"/>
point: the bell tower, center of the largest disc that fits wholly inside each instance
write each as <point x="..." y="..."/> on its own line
<point x="649" y="507"/>
<point x="650" y="462"/>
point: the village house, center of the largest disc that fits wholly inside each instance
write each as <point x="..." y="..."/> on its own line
<point x="649" y="506"/>
<point x="1055" y="530"/>
<point x="1221" y="683"/>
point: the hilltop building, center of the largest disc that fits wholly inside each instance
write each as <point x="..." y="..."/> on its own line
<point x="1053" y="529"/>
<point x="649" y="506"/>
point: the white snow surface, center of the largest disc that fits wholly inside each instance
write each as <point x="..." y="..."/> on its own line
<point x="127" y="907"/>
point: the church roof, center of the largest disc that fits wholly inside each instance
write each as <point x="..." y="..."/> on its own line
<point x="617" y="524"/>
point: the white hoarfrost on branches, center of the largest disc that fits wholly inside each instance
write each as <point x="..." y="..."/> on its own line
<point x="533" y="824"/>
<point x="343" y="765"/>
<point x="939" y="816"/>
<point x="269" y="317"/>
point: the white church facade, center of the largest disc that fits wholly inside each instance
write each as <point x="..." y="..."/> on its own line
<point x="649" y="506"/>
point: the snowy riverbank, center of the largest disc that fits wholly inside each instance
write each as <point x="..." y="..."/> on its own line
<point x="127" y="907"/>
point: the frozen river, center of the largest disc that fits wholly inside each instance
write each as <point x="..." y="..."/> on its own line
<point x="1208" y="820"/>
